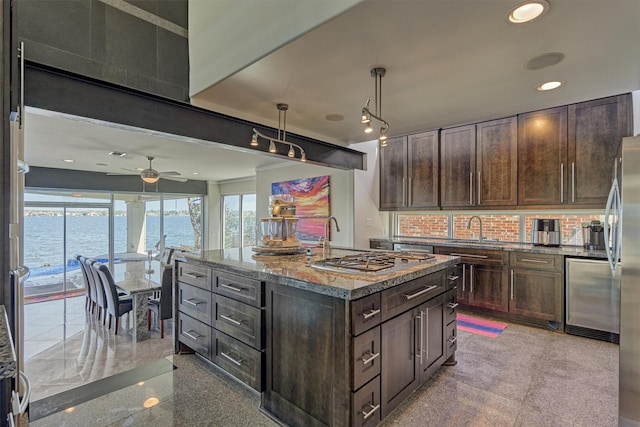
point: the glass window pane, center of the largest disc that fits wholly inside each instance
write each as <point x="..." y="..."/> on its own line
<point x="249" y="220"/>
<point x="494" y="227"/>
<point x="423" y="225"/>
<point x="571" y="225"/>
<point x="152" y="226"/>
<point x="62" y="196"/>
<point x="231" y="221"/>
<point x="183" y="223"/>
<point x="43" y="250"/>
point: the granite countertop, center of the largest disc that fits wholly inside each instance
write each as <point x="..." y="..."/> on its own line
<point x="566" y="250"/>
<point x="295" y="271"/>
<point x="8" y="360"/>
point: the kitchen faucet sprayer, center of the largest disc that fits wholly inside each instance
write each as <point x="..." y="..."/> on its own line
<point x="481" y="237"/>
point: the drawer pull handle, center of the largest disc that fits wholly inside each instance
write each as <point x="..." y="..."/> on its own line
<point x="230" y="320"/>
<point x="452" y="340"/>
<point x="424" y="291"/>
<point x="370" y="314"/>
<point x="190" y="302"/>
<point x="538" y="261"/>
<point x="452" y="278"/>
<point x="189" y="335"/>
<point x="370" y="359"/>
<point x="371" y="412"/>
<point x="233" y="288"/>
<point x="469" y="255"/>
<point x="452" y="305"/>
<point x="231" y="359"/>
<point x="192" y="275"/>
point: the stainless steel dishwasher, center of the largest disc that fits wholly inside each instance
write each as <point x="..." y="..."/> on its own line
<point x="593" y="299"/>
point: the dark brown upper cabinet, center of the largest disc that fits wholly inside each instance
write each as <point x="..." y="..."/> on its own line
<point x="497" y="162"/>
<point x="458" y="162"/>
<point x="595" y="133"/>
<point x="409" y="172"/>
<point x="542" y="157"/>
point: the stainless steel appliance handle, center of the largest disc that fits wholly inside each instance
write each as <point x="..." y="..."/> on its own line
<point x="537" y="261"/>
<point x="371" y="358"/>
<point x="511" y="283"/>
<point x="471" y="279"/>
<point x="21" y="102"/>
<point x="479" y="185"/>
<point x="231" y="359"/>
<point x="469" y="255"/>
<point x="231" y="320"/>
<point x="370" y="314"/>
<point x="573" y="182"/>
<point x="464" y="276"/>
<point x="561" y="182"/>
<point x="233" y="288"/>
<point x="417" y="294"/>
<point x="611" y="201"/>
<point x="471" y="188"/>
<point x="366" y="415"/>
<point x="189" y="335"/>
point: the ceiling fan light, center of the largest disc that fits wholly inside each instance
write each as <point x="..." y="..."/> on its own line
<point x="150" y="179"/>
<point x="272" y="147"/>
<point x="254" y="140"/>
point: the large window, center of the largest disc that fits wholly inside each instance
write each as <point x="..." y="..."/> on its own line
<point x="238" y="220"/>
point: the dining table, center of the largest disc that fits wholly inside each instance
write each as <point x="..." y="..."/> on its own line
<point x="141" y="280"/>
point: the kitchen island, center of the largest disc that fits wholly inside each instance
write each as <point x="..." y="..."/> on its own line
<point x="323" y="347"/>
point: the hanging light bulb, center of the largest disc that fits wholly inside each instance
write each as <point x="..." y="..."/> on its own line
<point x="303" y="157"/>
<point x="366" y="118"/>
<point x="254" y="140"/>
<point x="367" y="115"/>
<point x="291" y="153"/>
<point x="383" y="135"/>
<point x="272" y="147"/>
<point x="368" y="128"/>
<point x="281" y="138"/>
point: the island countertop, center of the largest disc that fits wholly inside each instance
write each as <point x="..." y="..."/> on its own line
<point x="295" y="271"/>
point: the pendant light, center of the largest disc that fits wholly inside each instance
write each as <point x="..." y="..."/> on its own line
<point x="282" y="133"/>
<point x="377" y="73"/>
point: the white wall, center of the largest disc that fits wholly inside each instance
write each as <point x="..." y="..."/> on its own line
<point x="369" y="222"/>
<point x="341" y="194"/>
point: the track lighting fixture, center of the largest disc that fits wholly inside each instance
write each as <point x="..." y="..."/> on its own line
<point x="282" y="119"/>
<point x="377" y="73"/>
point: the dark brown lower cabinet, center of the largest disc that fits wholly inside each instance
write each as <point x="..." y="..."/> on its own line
<point x="488" y="287"/>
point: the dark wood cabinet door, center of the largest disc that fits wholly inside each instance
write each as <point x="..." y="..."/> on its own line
<point x="536" y="293"/>
<point x="458" y="165"/>
<point x="400" y="373"/>
<point x="423" y="170"/>
<point x="393" y="173"/>
<point x="488" y="287"/>
<point x="497" y="162"/>
<point x="432" y="342"/>
<point x="595" y="133"/>
<point x="542" y="157"/>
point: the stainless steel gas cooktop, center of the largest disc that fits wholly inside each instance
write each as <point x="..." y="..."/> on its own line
<point x="372" y="262"/>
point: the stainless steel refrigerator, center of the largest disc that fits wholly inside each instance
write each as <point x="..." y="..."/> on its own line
<point x="629" y="392"/>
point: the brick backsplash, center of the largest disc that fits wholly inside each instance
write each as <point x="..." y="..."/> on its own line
<point x="497" y="226"/>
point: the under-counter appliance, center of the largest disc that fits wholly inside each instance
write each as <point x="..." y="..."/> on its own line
<point x="546" y="232"/>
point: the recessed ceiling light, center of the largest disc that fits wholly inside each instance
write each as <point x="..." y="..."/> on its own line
<point x="68" y="160"/>
<point x="528" y="11"/>
<point x="117" y="153"/>
<point x="334" y="117"/>
<point x="196" y="173"/>
<point x="549" y="85"/>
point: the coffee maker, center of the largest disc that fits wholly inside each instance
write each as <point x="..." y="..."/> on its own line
<point x="593" y="235"/>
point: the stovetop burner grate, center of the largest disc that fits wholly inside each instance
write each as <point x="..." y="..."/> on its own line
<point x="374" y="261"/>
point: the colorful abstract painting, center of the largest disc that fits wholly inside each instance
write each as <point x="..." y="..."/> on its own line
<point x="312" y="204"/>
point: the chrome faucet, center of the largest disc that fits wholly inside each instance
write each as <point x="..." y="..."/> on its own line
<point x="481" y="237"/>
<point x="324" y="241"/>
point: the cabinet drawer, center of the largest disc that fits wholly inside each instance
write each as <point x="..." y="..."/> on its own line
<point x="365" y="313"/>
<point x="450" y="305"/>
<point x="195" y="302"/>
<point x="403" y="297"/>
<point x="239" y="288"/>
<point x="366" y="404"/>
<point x="241" y="321"/>
<point x="475" y="256"/>
<point x="194" y="334"/>
<point x="452" y="339"/>
<point x="195" y="275"/>
<point x="366" y="357"/>
<point x="537" y="261"/>
<point x="240" y="360"/>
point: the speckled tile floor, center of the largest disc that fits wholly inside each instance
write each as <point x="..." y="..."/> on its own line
<point x="524" y="377"/>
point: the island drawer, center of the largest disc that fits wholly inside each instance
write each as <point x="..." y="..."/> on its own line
<point x="240" y="288"/>
<point x="366" y="404"/>
<point x="195" y="275"/>
<point x="240" y="360"/>
<point x="365" y="313"/>
<point x="241" y="321"/>
<point x="195" y="334"/>
<point x="195" y="302"/>
<point x="366" y="357"/>
<point x="403" y="297"/>
<point x="537" y="261"/>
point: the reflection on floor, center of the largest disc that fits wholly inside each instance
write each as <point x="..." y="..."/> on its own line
<point x="524" y="377"/>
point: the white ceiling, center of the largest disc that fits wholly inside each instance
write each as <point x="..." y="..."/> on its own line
<point x="448" y="62"/>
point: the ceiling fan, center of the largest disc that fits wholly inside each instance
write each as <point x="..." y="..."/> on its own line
<point x="151" y="176"/>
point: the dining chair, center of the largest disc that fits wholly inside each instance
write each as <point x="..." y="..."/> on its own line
<point x="87" y="287"/>
<point x="100" y="299"/>
<point x="162" y="306"/>
<point x="117" y="305"/>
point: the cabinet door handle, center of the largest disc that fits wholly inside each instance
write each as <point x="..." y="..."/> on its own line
<point x="537" y="261"/>
<point x="452" y="305"/>
<point x="573" y="182"/>
<point x="189" y="335"/>
<point x="479" y="184"/>
<point x="469" y="255"/>
<point x="230" y="287"/>
<point x="370" y="314"/>
<point x="471" y="188"/>
<point x="191" y="302"/>
<point x="422" y="316"/>
<point x="423" y="291"/>
<point x="452" y="278"/>
<point x="404" y="192"/>
<point x="370" y="358"/>
<point x="464" y="276"/>
<point x="561" y="182"/>
<point x="230" y="320"/>
<point x="452" y="340"/>
<point x="192" y="275"/>
<point x="471" y="279"/>
<point x="511" y="284"/>
<point x="419" y="349"/>
<point x="366" y="415"/>
<point x="410" y="192"/>
<point x="231" y="359"/>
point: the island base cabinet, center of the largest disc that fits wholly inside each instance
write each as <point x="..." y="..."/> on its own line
<point x="195" y="334"/>
<point x="366" y="405"/>
<point x="240" y="360"/>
